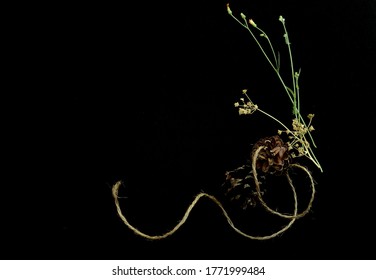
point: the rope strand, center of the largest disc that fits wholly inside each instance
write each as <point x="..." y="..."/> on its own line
<point x="292" y="218"/>
<point x="263" y="203"/>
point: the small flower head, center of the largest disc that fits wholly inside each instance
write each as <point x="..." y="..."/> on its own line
<point x="251" y="22"/>
<point x="246" y="108"/>
<point x="244" y="111"/>
<point x="281" y="19"/>
<point x="228" y="9"/>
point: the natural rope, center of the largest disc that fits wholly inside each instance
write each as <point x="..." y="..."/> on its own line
<point x="115" y="191"/>
<point x="292" y="218"/>
<point x="257" y="183"/>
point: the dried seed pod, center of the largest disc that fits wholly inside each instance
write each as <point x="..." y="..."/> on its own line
<point x="274" y="157"/>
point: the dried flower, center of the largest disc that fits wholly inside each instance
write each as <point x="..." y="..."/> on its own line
<point x="310" y="116"/>
<point x="243" y="111"/>
<point x="246" y="108"/>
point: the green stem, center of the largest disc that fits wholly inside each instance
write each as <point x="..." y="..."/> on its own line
<point x="270" y="116"/>
<point x="266" y="56"/>
<point x="293" y="94"/>
<point x="292" y="70"/>
<point x="271" y="46"/>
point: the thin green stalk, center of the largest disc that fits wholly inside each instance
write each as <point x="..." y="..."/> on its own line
<point x="287" y="40"/>
<point x="271" y="46"/>
<point x="301" y="128"/>
<point x="266" y="56"/>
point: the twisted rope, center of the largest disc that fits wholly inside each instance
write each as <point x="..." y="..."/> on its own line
<point x="292" y="218"/>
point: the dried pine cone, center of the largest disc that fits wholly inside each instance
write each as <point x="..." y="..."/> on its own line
<point x="274" y="157"/>
<point x="239" y="187"/>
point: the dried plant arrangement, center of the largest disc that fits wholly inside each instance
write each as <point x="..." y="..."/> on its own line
<point x="271" y="156"/>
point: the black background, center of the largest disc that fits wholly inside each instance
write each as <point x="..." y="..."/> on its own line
<point x="144" y="94"/>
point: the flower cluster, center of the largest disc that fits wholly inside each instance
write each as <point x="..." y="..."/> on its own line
<point x="246" y="108"/>
<point x="297" y="137"/>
